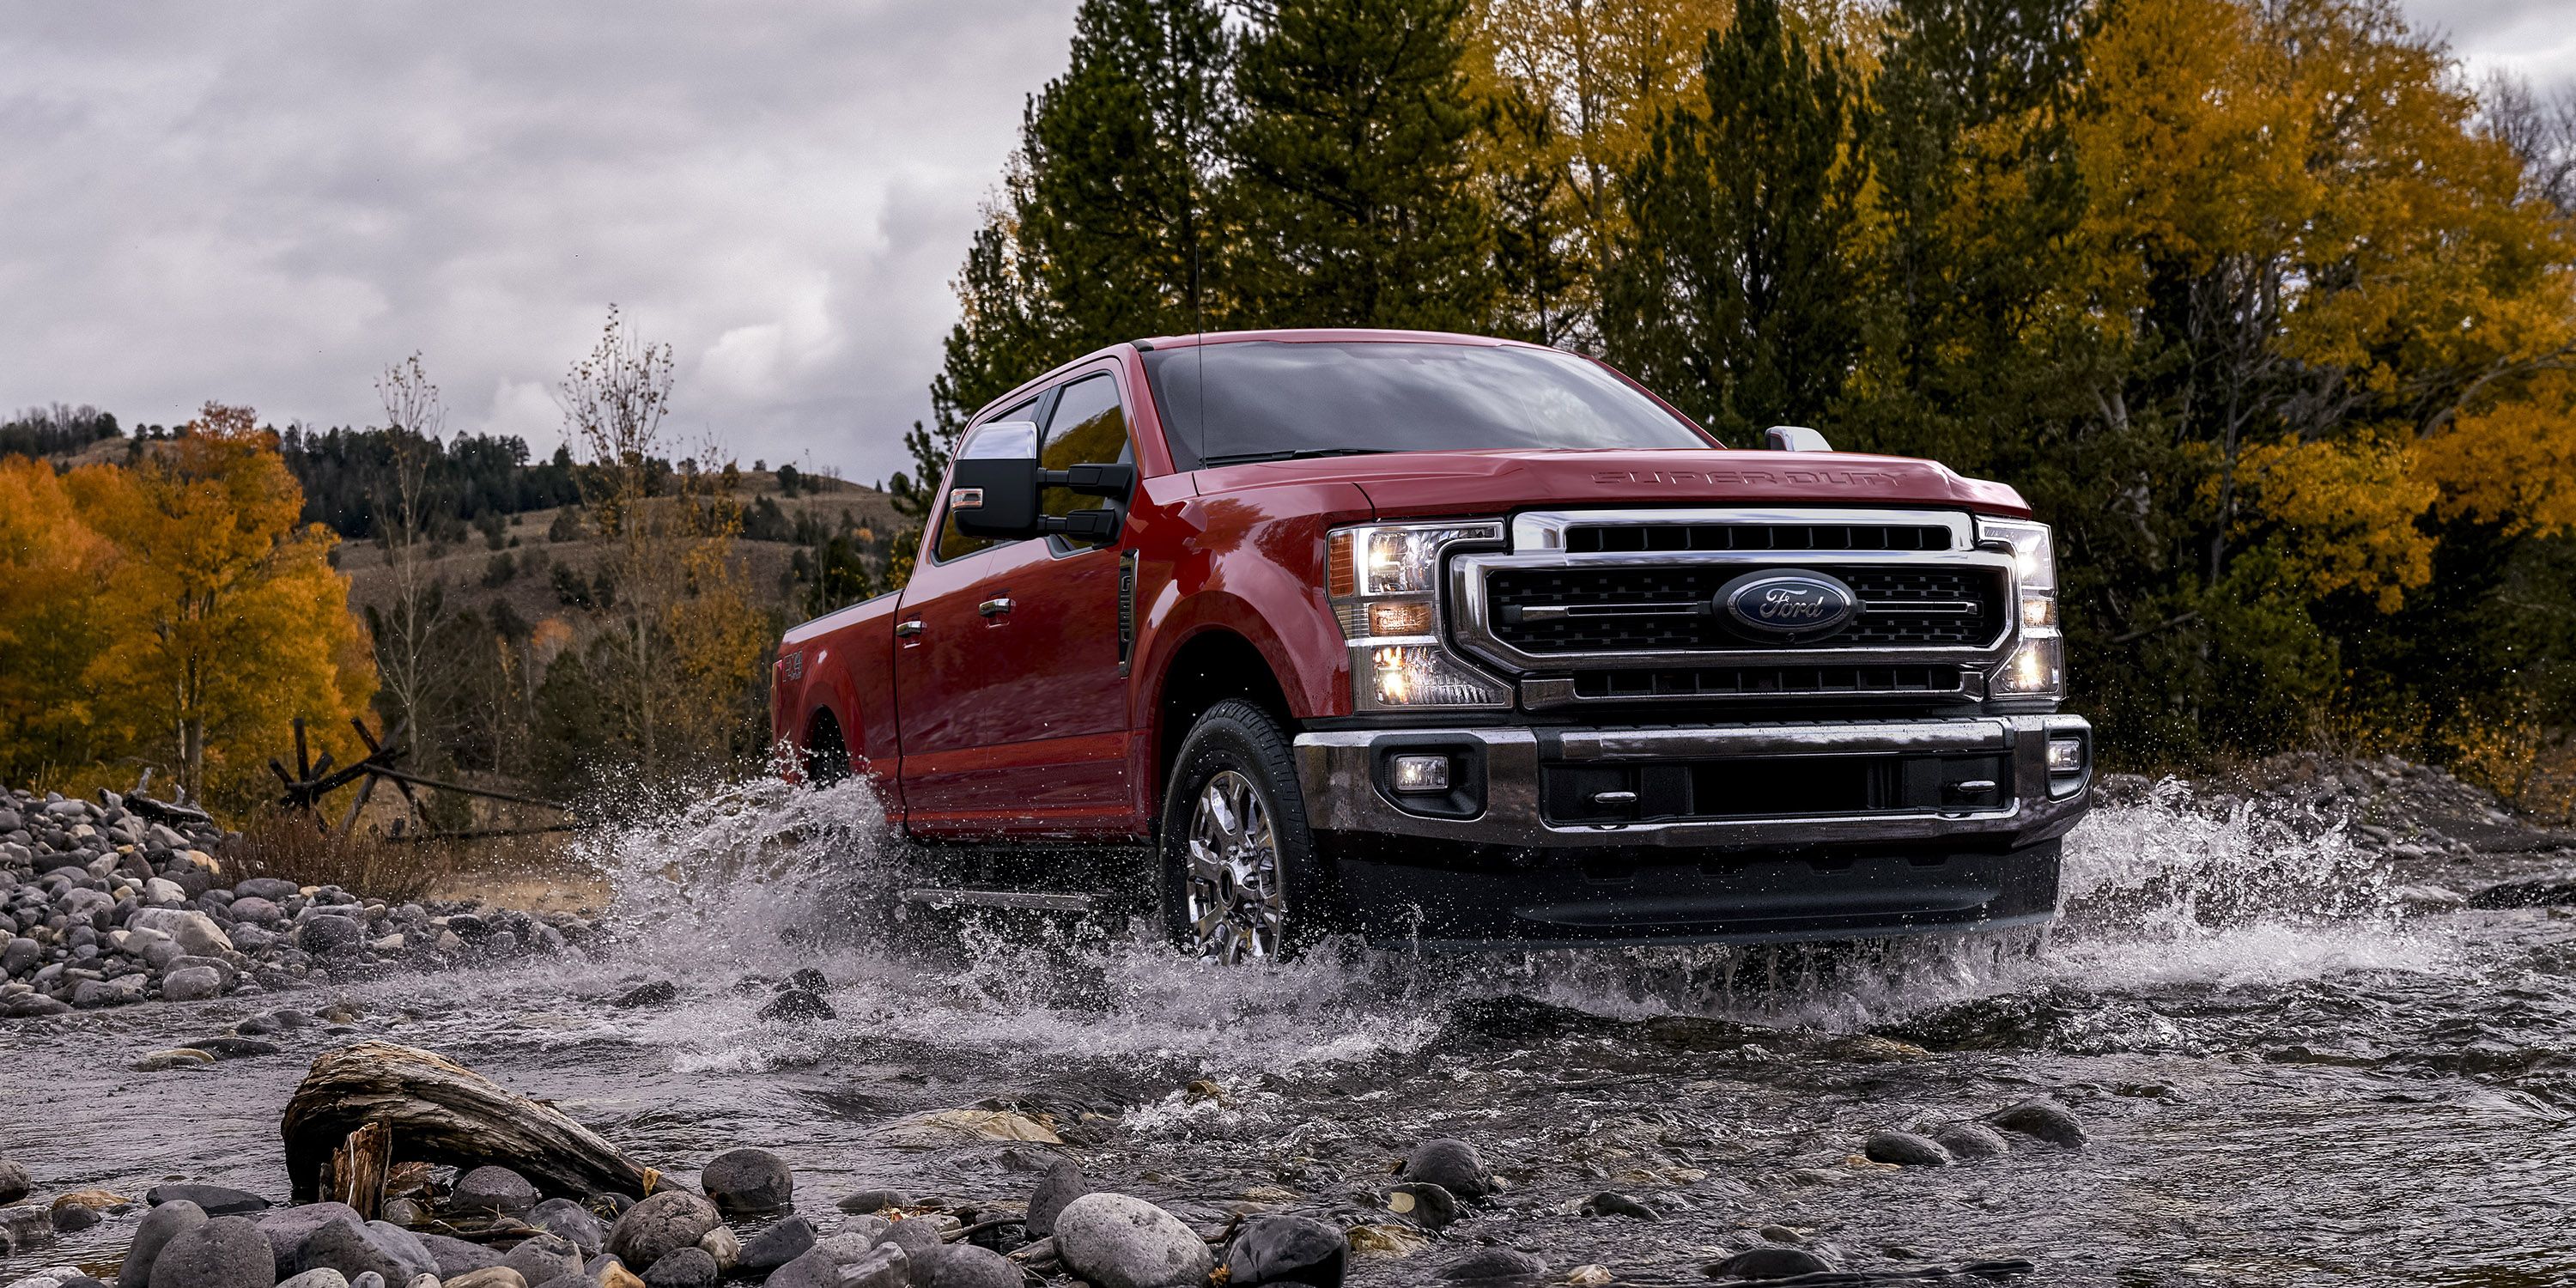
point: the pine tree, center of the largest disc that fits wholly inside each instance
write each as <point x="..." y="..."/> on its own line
<point x="1354" y="197"/>
<point x="1731" y="289"/>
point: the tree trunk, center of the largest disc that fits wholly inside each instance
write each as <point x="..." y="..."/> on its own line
<point x="438" y="1111"/>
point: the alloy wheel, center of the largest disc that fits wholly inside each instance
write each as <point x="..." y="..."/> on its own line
<point x="1235" y="904"/>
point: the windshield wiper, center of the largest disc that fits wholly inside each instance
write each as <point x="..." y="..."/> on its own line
<point x="1299" y="454"/>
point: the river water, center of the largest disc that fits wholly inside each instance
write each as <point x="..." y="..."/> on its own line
<point x="2287" y="1078"/>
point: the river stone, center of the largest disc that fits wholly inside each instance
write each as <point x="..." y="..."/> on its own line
<point x="195" y="984"/>
<point x="487" y="1277"/>
<point x="330" y="935"/>
<point x="572" y="1221"/>
<point x="457" y="1256"/>
<point x="915" y="1236"/>
<point x="724" y="1245"/>
<point x="14" y="1181"/>
<point x="21" y="956"/>
<point x="798" y="1004"/>
<point x="325" y="1277"/>
<point x="1287" y="1250"/>
<point x="377" y="1247"/>
<point x="217" y="1200"/>
<point x="368" y="1279"/>
<point x="1608" y="1203"/>
<point x="686" y="1268"/>
<point x="288" y="1228"/>
<point x="781" y="1243"/>
<point x="1970" y="1139"/>
<point x="884" y="1266"/>
<point x="70" y="1218"/>
<point x="2045" y="1119"/>
<point x="1452" y="1165"/>
<point x="866" y="1201"/>
<point x="1769" y="1261"/>
<point x="747" y="1182"/>
<point x="1494" y="1268"/>
<point x="963" y="1265"/>
<point x="1905" y="1149"/>
<point x="659" y="1226"/>
<point x="153" y="1233"/>
<point x="1119" y="1241"/>
<point x="493" y="1189"/>
<point x="1425" y="1204"/>
<point x="543" y="1257"/>
<point x="195" y="931"/>
<point x="225" y="1252"/>
<point x="1062" y="1184"/>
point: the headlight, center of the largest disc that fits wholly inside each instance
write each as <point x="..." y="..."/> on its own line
<point x="1384" y="583"/>
<point x="2037" y="667"/>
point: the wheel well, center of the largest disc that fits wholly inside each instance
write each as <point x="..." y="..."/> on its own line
<point x="1209" y="669"/>
<point x="827" y="753"/>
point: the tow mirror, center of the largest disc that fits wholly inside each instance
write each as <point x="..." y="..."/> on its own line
<point x="994" y="489"/>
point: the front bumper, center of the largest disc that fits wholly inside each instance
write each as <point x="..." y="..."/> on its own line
<point x="1499" y="863"/>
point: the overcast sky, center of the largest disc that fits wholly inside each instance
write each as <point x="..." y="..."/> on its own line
<point x="265" y="203"/>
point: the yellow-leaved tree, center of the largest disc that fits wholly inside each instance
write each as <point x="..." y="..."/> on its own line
<point x="224" y="619"/>
<point x="50" y="624"/>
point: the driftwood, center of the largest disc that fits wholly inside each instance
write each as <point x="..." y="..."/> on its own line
<point x="358" y="1168"/>
<point x="438" y="1111"/>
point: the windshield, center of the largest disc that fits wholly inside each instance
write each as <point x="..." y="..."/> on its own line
<point x="1274" y="400"/>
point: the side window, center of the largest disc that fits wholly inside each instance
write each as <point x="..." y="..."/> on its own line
<point x="957" y="545"/>
<point x="1089" y="428"/>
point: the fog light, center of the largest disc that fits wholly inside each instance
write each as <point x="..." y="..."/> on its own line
<point x="1420" y="773"/>
<point x="2065" y="755"/>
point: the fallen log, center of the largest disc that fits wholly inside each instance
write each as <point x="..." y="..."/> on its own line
<point x="438" y="1111"/>
<point x="358" y="1169"/>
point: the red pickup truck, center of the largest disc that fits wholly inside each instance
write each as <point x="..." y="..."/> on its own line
<point x="1451" y="641"/>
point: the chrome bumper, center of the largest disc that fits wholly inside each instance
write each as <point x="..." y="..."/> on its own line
<point x="1337" y="771"/>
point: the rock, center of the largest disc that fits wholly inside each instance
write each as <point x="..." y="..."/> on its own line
<point x="71" y="1217"/>
<point x="1769" y="1261"/>
<point x="487" y="1277"/>
<point x="724" y="1245"/>
<point x="572" y="1221"/>
<point x="224" y="1047"/>
<point x="747" y="1182"/>
<point x="809" y="979"/>
<point x="944" y="1128"/>
<point x="407" y="1213"/>
<point x="1452" y="1165"/>
<point x="273" y="889"/>
<point x="495" y="1190"/>
<point x="2045" y="1119"/>
<point x="2524" y="894"/>
<point x="1287" y="1250"/>
<point x="20" y="956"/>
<point x="874" y="1201"/>
<point x="377" y="1247"/>
<point x="153" y="1233"/>
<point x="1425" y="1204"/>
<point x="1905" y="1149"/>
<point x="781" y="1243"/>
<point x="1610" y="1204"/>
<point x="1062" y="1184"/>
<point x="798" y="1004"/>
<point x="195" y="984"/>
<point x="224" y="1252"/>
<point x="660" y="992"/>
<point x="884" y="1266"/>
<point x="330" y="936"/>
<point x="659" y="1226"/>
<point x="686" y="1268"/>
<point x="195" y="931"/>
<point x="814" y="1268"/>
<point x="325" y="1277"/>
<point x="963" y="1265"/>
<point x="14" y="1182"/>
<point x="915" y="1236"/>
<point x="1967" y="1138"/>
<point x="174" y="1058"/>
<point x="457" y="1256"/>
<point x="1117" y="1241"/>
<point x="1494" y="1268"/>
<point x="288" y="1228"/>
<point x="217" y="1200"/>
<point x="543" y="1257"/>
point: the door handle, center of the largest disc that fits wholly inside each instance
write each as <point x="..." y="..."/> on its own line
<point x="994" y="607"/>
<point x="906" y="630"/>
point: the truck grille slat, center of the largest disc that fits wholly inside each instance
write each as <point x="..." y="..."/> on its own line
<point x="1632" y="609"/>
<point x="1755" y="681"/>
<point x="1585" y="539"/>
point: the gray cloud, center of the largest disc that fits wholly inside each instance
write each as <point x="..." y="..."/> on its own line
<point x="267" y="202"/>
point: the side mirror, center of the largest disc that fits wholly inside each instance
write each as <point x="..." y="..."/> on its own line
<point x="994" y="490"/>
<point x="1796" y="438"/>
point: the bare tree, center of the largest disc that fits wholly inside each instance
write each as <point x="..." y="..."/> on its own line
<point x="2541" y="130"/>
<point x="614" y="400"/>
<point x="407" y="629"/>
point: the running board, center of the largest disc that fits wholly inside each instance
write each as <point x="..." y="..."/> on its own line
<point x="1041" y="901"/>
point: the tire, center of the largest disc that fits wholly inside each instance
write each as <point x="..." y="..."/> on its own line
<point x="1225" y="896"/>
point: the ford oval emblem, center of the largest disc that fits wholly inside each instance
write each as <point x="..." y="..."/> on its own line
<point x="1788" y="604"/>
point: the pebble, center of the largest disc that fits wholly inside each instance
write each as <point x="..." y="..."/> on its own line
<point x="1452" y="1165"/>
<point x="782" y="1242"/>
<point x="1118" y="1241"/>
<point x="722" y="1244"/>
<point x="1968" y="1138"/>
<point x="748" y="1182"/>
<point x="493" y="1189"/>
<point x="154" y="1232"/>
<point x="659" y="1226"/>
<point x="195" y="984"/>
<point x="1062" y="1184"/>
<point x="224" y="1252"/>
<point x="1769" y="1262"/>
<point x="1287" y="1249"/>
<point x="2045" y="1119"/>
<point x="1905" y="1149"/>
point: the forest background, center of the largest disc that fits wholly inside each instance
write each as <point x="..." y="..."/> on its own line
<point x="2264" y="303"/>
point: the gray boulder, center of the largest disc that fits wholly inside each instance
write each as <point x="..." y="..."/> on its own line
<point x="686" y="1268"/>
<point x="225" y="1252"/>
<point x="543" y="1257"/>
<point x="322" y="1278"/>
<point x="1967" y="1139"/>
<point x="456" y="1256"/>
<point x="1494" y="1268"/>
<point x="915" y="1236"/>
<point x="487" y="1277"/>
<point x="1905" y="1149"/>
<point x="572" y="1221"/>
<point x="217" y="1200"/>
<point x="14" y="1182"/>
<point x="153" y="1233"/>
<point x="2045" y="1119"/>
<point x="1451" y="1164"/>
<point x="377" y="1247"/>
<point x="193" y="984"/>
<point x="659" y="1226"/>
<point x="288" y="1228"/>
<point x="1119" y="1241"/>
<point x="491" y="1189"/>
<point x="195" y="931"/>
<point x="885" y="1266"/>
<point x="1287" y="1249"/>
<point x="1062" y="1184"/>
<point x="963" y="1265"/>
<point x="330" y="936"/>
<point x="781" y="1243"/>
<point x="1770" y="1261"/>
<point x="273" y="889"/>
<point x="748" y="1182"/>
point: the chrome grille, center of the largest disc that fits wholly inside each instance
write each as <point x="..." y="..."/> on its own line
<point x="1673" y="607"/>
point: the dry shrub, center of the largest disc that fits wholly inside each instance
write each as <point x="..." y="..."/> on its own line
<point x="289" y="845"/>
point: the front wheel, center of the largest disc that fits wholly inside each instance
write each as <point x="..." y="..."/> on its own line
<point x="1239" y="875"/>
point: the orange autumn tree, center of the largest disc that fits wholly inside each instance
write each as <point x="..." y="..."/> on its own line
<point x="50" y="624"/>
<point x="224" y="618"/>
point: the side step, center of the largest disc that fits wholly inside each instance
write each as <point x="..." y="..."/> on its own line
<point x="1030" y="899"/>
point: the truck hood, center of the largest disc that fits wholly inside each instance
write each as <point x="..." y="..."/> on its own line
<point x="1407" y="484"/>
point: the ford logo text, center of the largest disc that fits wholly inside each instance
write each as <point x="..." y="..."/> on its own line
<point x="1788" y="605"/>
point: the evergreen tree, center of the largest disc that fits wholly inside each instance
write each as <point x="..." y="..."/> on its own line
<point x="1354" y="196"/>
<point x="1731" y="290"/>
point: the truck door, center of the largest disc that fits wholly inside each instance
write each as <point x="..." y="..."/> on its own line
<point x="1031" y="713"/>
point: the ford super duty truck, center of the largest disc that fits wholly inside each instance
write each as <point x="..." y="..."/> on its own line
<point x="1451" y="641"/>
